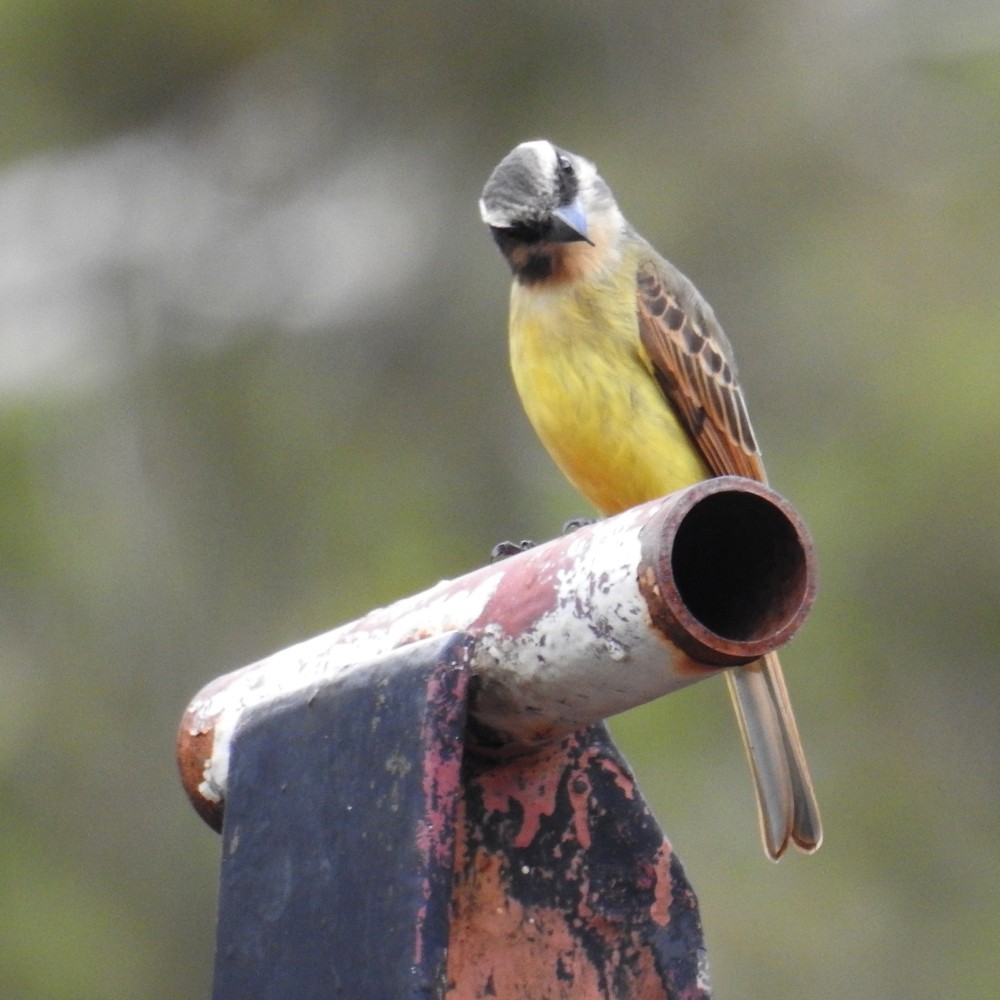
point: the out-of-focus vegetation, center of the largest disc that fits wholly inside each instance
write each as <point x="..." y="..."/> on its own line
<point x="253" y="381"/>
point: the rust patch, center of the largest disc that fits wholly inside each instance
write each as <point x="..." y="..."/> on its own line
<point x="194" y="751"/>
<point x="565" y="888"/>
<point x="441" y="738"/>
<point x="442" y="785"/>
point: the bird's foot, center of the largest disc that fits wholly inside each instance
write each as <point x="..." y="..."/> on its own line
<point x="503" y="550"/>
<point x="576" y="522"/>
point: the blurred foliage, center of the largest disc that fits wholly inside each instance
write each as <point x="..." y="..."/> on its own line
<point x="253" y="381"/>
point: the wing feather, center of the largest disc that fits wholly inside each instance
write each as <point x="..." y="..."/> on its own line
<point x="692" y="361"/>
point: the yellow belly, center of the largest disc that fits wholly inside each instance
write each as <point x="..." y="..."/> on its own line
<point x="586" y="387"/>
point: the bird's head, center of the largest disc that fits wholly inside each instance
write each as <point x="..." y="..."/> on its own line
<point x="550" y="213"/>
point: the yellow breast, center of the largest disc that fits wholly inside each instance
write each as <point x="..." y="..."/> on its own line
<point x="587" y="388"/>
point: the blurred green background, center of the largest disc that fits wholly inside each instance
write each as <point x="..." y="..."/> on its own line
<point x="253" y="382"/>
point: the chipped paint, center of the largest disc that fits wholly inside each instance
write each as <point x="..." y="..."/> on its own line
<point x="444" y="721"/>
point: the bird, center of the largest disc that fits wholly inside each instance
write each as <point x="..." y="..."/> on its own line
<point x="629" y="381"/>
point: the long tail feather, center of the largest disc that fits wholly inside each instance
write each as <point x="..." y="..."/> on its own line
<point x="786" y="803"/>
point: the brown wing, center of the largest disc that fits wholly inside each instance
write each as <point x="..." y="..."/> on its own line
<point x="692" y="361"/>
<point x="693" y="364"/>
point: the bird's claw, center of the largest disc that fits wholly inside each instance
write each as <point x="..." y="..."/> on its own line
<point x="575" y="523"/>
<point x="502" y="550"/>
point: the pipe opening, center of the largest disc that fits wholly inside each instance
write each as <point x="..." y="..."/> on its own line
<point x="739" y="566"/>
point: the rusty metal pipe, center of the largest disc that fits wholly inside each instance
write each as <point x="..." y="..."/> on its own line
<point x="613" y="615"/>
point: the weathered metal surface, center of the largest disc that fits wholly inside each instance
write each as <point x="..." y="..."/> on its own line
<point x="565" y="888"/>
<point x="367" y="854"/>
<point x="340" y="833"/>
<point x="565" y="634"/>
